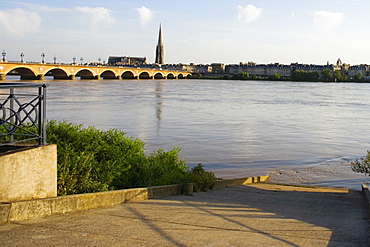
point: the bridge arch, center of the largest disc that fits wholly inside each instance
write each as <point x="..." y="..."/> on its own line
<point x="128" y="75"/>
<point x="25" y="73"/>
<point x="171" y="76"/>
<point x="108" y="74"/>
<point x="158" y="75"/>
<point x="57" y="73"/>
<point x="144" y="75"/>
<point x="85" y="74"/>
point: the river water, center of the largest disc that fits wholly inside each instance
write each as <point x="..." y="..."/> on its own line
<point x="298" y="132"/>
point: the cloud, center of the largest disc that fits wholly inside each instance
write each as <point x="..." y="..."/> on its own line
<point x="43" y="9"/>
<point x="327" y="21"/>
<point x="19" y="22"/>
<point x="146" y="15"/>
<point x="248" y="13"/>
<point x="98" y="16"/>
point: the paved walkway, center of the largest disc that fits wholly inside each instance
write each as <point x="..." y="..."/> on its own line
<point x="255" y="215"/>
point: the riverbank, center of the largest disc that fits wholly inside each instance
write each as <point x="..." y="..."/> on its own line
<point x="276" y="77"/>
<point x="336" y="173"/>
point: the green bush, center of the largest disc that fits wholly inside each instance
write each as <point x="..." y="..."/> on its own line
<point x="91" y="160"/>
<point x="203" y="180"/>
<point x="362" y="166"/>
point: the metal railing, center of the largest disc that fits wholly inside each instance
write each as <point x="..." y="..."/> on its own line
<point x="22" y="113"/>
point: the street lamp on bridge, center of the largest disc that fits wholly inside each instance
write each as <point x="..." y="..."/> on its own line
<point x="22" y="56"/>
<point x="74" y="59"/>
<point x="4" y="55"/>
<point x="81" y="59"/>
<point x="42" y="57"/>
<point x="55" y="59"/>
<point x="99" y="60"/>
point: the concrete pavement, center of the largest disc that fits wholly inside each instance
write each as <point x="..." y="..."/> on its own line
<point x="259" y="214"/>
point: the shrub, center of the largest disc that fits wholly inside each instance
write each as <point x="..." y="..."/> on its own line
<point x="203" y="180"/>
<point x="91" y="160"/>
<point x="362" y="166"/>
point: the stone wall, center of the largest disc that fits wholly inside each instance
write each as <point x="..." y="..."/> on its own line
<point x="23" y="210"/>
<point x="28" y="173"/>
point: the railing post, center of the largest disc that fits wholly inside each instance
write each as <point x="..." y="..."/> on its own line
<point x="12" y="123"/>
<point x="42" y="115"/>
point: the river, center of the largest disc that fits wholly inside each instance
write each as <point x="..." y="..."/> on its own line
<point x="298" y="132"/>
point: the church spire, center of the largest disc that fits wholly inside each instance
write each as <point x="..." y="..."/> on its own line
<point x="159" y="58"/>
<point x="160" y="34"/>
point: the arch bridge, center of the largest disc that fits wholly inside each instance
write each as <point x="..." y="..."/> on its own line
<point x="38" y="71"/>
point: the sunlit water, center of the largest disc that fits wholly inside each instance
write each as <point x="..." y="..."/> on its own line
<point x="298" y="132"/>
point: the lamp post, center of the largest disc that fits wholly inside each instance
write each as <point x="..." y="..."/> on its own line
<point x="99" y="60"/>
<point x="55" y="59"/>
<point x="74" y="59"/>
<point x="22" y="56"/>
<point x="42" y="57"/>
<point x="81" y="59"/>
<point x="4" y="55"/>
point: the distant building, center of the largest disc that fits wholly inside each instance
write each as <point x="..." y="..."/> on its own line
<point x="259" y="69"/>
<point x="159" y="55"/>
<point x="313" y="67"/>
<point x="179" y="67"/>
<point x="218" y="68"/>
<point x="124" y="60"/>
<point x="357" y="69"/>
<point x="202" y="68"/>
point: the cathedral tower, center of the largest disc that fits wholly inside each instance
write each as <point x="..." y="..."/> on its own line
<point x="159" y="56"/>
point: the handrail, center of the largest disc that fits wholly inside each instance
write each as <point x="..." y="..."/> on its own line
<point x="22" y="113"/>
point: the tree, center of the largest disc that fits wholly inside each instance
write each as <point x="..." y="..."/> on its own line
<point x="339" y="76"/>
<point x="276" y="76"/>
<point x="313" y="76"/>
<point x="299" y="75"/>
<point x="244" y="75"/>
<point x="327" y="74"/>
<point x="359" y="76"/>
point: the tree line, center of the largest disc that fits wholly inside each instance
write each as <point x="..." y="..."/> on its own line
<point x="297" y="75"/>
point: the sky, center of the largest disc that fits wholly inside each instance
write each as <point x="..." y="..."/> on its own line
<point x="201" y="32"/>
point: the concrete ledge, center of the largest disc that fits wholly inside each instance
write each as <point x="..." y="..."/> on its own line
<point x="366" y="193"/>
<point x="244" y="181"/>
<point x="28" y="209"/>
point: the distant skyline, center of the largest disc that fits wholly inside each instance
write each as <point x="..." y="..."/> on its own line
<point x="208" y="31"/>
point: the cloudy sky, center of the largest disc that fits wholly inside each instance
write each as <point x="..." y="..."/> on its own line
<point x="205" y="31"/>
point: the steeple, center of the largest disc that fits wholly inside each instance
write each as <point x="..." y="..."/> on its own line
<point x="159" y="57"/>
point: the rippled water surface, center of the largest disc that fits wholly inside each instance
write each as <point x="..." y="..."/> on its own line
<point x="234" y="128"/>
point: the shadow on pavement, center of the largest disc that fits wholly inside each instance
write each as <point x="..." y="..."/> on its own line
<point x="284" y="215"/>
